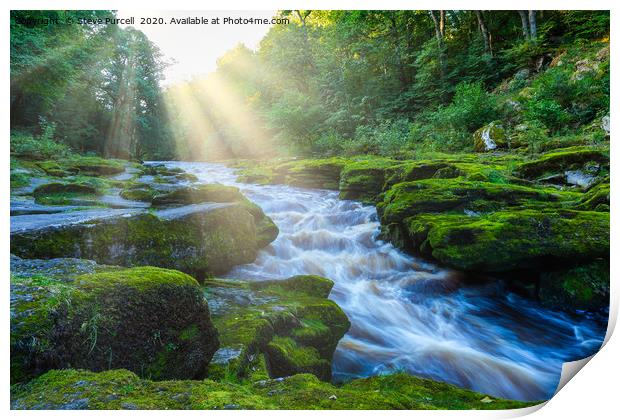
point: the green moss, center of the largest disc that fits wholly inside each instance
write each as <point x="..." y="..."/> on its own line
<point x="120" y="389"/>
<point x="215" y="193"/>
<point x="509" y="240"/>
<point x="596" y="198"/>
<point x="83" y="165"/>
<point x="308" y="173"/>
<point x="138" y="194"/>
<point x="561" y="160"/>
<point x="202" y="242"/>
<point x="314" y="286"/>
<point x="152" y="321"/>
<point x="364" y="179"/>
<point x="287" y="357"/>
<point x="438" y="195"/>
<point x="582" y="287"/>
<point x="295" y="310"/>
<point x="59" y="188"/>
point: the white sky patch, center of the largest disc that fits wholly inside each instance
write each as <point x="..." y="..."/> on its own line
<point x="195" y="48"/>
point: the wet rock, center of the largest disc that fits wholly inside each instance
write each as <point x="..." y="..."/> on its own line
<point x="561" y="160"/>
<point x="152" y="321"/>
<point x="285" y="327"/>
<point x="585" y="287"/>
<point x="511" y="239"/>
<point x="489" y="137"/>
<point x="202" y="239"/>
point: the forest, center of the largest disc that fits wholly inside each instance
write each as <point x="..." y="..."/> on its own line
<point x="393" y="83"/>
<point x="399" y="209"/>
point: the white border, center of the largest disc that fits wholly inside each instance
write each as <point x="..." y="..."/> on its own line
<point x="592" y="395"/>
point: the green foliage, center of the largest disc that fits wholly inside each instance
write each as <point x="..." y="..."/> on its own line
<point x="42" y="146"/>
<point x="471" y="108"/>
<point x="97" y="87"/>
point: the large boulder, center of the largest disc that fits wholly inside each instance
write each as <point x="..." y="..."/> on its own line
<point x="215" y="193"/>
<point x="73" y="313"/>
<point x="561" y="160"/>
<point x="275" y="328"/>
<point x="509" y="240"/>
<point x="448" y="195"/>
<point x="198" y="239"/>
<point x="266" y="230"/>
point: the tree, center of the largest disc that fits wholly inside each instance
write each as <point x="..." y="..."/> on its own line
<point x="532" y="19"/>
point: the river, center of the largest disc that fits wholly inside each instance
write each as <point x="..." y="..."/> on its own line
<point x="408" y="314"/>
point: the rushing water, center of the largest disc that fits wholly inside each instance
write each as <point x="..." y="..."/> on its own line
<point x="407" y="314"/>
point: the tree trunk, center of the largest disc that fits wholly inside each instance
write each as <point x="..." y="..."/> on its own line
<point x="532" y="16"/>
<point x="439" y="34"/>
<point x="402" y="73"/>
<point x="484" y="31"/>
<point x="524" y="24"/>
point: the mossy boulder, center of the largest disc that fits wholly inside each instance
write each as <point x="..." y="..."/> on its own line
<point x="509" y="240"/>
<point x="121" y="389"/>
<point x="596" y="198"/>
<point x="584" y="287"/>
<point x="138" y="194"/>
<point x="93" y="165"/>
<point x="266" y="230"/>
<point x="199" y="240"/>
<point x="441" y="195"/>
<point x="307" y="173"/>
<point x="63" y="192"/>
<point x="275" y="328"/>
<point x="152" y="321"/>
<point x="561" y="160"/>
<point x="215" y="193"/>
<point x="490" y="137"/>
<point x="63" y="188"/>
<point x="364" y="179"/>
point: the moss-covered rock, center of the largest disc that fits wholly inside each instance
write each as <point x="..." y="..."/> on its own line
<point x="152" y="321"/>
<point x="364" y="179"/>
<point x="121" y="389"/>
<point x="266" y="230"/>
<point x="584" y="287"/>
<point x="215" y="193"/>
<point x="561" y="160"/>
<point x="596" y="198"/>
<point x="63" y="192"/>
<point x="509" y="240"/>
<point x="439" y="195"/>
<point x="489" y="137"/>
<point x="308" y="173"/>
<point x="201" y="240"/>
<point x="93" y="165"/>
<point x="60" y="188"/>
<point x="138" y="194"/>
<point x="275" y="328"/>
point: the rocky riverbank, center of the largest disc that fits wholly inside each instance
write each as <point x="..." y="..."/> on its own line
<point x="95" y="287"/>
<point x="539" y="221"/>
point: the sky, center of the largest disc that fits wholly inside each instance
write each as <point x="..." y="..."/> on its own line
<point x="196" y="48"/>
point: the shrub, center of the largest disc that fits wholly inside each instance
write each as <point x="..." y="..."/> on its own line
<point x="40" y="147"/>
<point x="471" y="108"/>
